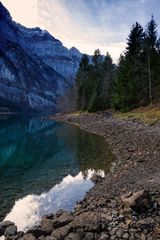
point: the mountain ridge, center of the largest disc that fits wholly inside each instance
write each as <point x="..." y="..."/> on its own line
<point x="35" y="67"/>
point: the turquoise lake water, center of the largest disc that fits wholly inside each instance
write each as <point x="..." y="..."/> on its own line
<point x="45" y="166"/>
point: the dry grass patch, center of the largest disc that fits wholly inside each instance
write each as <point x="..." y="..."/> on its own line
<point x="149" y="115"/>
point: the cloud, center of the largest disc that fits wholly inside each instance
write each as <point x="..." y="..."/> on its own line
<point x="89" y="24"/>
<point x="28" y="211"/>
<point x="86" y="24"/>
<point x="24" y="12"/>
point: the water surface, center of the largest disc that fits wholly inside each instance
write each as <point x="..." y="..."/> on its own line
<point x="45" y="166"/>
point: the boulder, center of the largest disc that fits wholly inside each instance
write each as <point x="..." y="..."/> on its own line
<point x="104" y="236"/>
<point x="73" y="236"/>
<point x="42" y="237"/>
<point x="62" y="219"/>
<point x="147" y="223"/>
<point x="49" y="216"/>
<point x="20" y="234"/>
<point x="37" y="232"/>
<point x="59" y="212"/>
<point x="138" y="201"/>
<point x="47" y="224"/>
<point x="28" y="236"/>
<point x="89" y="221"/>
<point x="62" y="232"/>
<point x="4" y="225"/>
<point x="157" y="232"/>
<point x="89" y="236"/>
<point x="10" y="230"/>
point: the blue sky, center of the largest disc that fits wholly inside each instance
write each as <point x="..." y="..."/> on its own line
<point x="86" y="24"/>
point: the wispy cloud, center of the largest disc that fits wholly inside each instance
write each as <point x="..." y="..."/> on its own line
<point x="86" y="24"/>
<point x="92" y="24"/>
<point x="24" y="12"/>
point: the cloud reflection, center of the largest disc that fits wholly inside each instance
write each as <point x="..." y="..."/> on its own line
<point x="28" y="211"/>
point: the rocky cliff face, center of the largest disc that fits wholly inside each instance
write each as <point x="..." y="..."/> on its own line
<point x="35" y="68"/>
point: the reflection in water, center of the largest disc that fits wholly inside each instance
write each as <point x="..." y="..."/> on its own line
<point x="29" y="210"/>
<point x="37" y="154"/>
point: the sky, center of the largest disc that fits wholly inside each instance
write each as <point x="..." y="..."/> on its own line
<point x="86" y="24"/>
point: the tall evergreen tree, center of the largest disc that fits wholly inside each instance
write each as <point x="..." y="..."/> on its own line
<point x="107" y="80"/>
<point x="97" y="60"/>
<point x="81" y="82"/>
<point x="151" y="56"/>
<point x="102" y="79"/>
<point x="128" y="80"/>
<point x="94" y="82"/>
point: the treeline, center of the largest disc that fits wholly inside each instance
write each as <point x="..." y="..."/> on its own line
<point x="94" y="82"/>
<point x="134" y="82"/>
<point x="93" y="87"/>
<point x="137" y="81"/>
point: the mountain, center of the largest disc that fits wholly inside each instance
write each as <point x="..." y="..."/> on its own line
<point x="35" y="68"/>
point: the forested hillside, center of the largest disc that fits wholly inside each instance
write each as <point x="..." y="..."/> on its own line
<point x="134" y="82"/>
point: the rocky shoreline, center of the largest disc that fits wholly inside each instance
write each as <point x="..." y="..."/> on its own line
<point x="123" y="205"/>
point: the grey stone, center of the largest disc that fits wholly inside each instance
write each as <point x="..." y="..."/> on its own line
<point x="37" y="232"/>
<point x="90" y="221"/>
<point x="20" y="234"/>
<point x="89" y="236"/>
<point x="138" y="201"/>
<point x="145" y="223"/>
<point x="80" y="232"/>
<point x="10" y="231"/>
<point x="143" y="237"/>
<point x="119" y="233"/>
<point x="50" y="238"/>
<point x="28" y="236"/>
<point x="4" y="225"/>
<point x="47" y="224"/>
<point x="104" y="236"/>
<point x="125" y="236"/>
<point x="157" y="219"/>
<point x="63" y="219"/>
<point x="41" y="238"/>
<point x="73" y="236"/>
<point x="61" y="232"/>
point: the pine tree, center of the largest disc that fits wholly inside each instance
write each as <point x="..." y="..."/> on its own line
<point x="151" y="55"/>
<point x="95" y="102"/>
<point x="107" y="81"/>
<point x="81" y="82"/>
<point x="128" y="80"/>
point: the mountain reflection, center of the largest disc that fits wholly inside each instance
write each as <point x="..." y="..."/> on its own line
<point x="36" y="154"/>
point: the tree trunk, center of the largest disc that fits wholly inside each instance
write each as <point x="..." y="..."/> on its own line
<point x="149" y="79"/>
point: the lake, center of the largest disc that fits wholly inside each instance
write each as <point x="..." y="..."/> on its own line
<point x="46" y="166"/>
